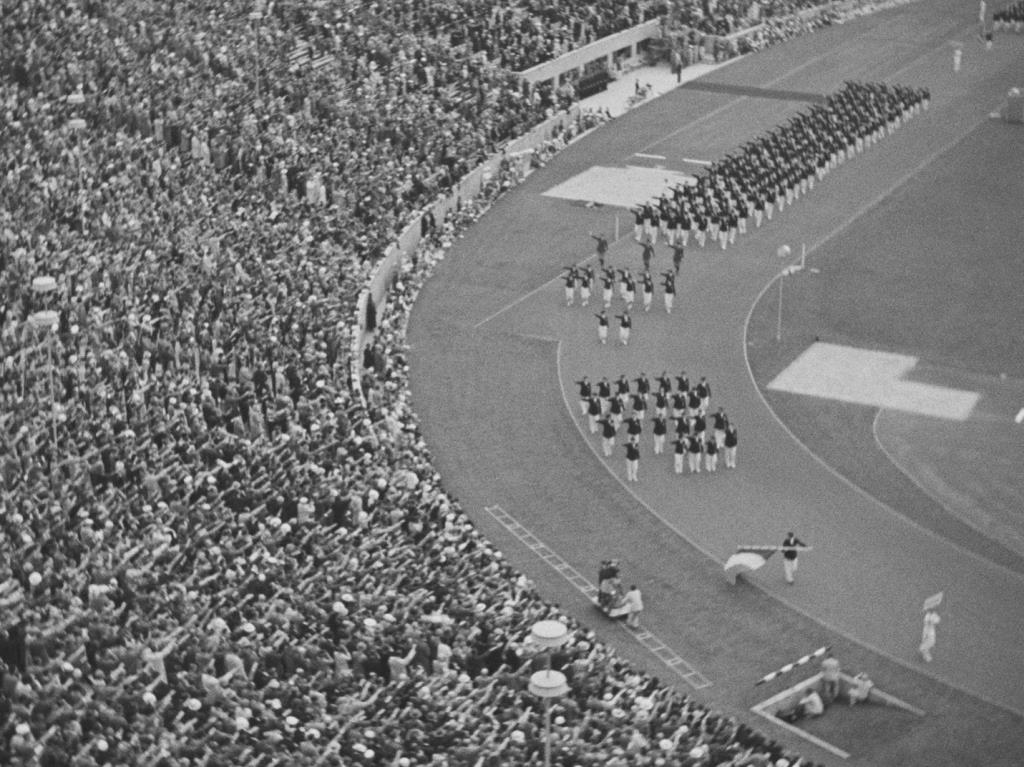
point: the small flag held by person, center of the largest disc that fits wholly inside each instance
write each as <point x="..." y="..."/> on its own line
<point x="753" y="557"/>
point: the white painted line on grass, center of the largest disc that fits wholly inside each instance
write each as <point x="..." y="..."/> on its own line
<point x="697" y="162"/>
<point x="649" y="156"/>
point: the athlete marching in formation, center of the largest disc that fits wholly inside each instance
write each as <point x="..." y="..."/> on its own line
<point x="694" y="450"/>
<point x="700" y="438"/>
<point x="604" y="391"/>
<point x="607" y="284"/>
<point x="593" y="412"/>
<point x="607" y="436"/>
<point x="648" y="283"/>
<point x="585" y="392"/>
<point x="732" y="440"/>
<point x="628" y="289"/>
<point x="570" y="285"/>
<point x="625" y="324"/>
<point x="669" y="290"/>
<point x="678" y="453"/>
<point x="660" y="429"/>
<point x="586" y="277"/>
<point x="719" y="420"/>
<point x="660" y="403"/>
<point x="711" y="455"/>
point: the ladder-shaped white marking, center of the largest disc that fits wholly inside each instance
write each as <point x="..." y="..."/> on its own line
<point x="662" y="651"/>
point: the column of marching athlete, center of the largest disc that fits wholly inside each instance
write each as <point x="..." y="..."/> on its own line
<point x="763" y="176"/>
<point x="700" y="436"/>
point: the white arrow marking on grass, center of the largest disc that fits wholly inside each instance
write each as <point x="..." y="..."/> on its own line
<point x="869" y="377"/>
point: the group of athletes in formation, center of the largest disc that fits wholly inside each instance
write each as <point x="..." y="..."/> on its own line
<point x="774" y="170"/>
<point x="767" y="173"/>
<point x="583" y="278"/>
<point x="699" y="436"/>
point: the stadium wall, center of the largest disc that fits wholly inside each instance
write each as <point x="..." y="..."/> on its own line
<point x="605" y="49"/>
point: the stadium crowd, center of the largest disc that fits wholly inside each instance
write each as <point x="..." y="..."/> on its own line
<point x="727" y="16"/>
<point x="210" y="552"/>
<point x="519" y="35"/>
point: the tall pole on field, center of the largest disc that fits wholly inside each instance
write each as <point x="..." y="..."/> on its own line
<point x="778" y="325"/>
<point x="784" y="251"/>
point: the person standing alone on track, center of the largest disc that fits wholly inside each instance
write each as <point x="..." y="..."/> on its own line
<point x="789" y="556"/>
<point x="601" y="248"/>
<point x="647" y="255"/>
<point x="678" y="253"/>
<point x="638" y="222"/>
<point x="635" y="603"/>
<point x="931" y="620"/>
<point x="602" y="326"/>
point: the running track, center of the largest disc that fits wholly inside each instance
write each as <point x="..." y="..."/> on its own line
<point x="494" y="394"/>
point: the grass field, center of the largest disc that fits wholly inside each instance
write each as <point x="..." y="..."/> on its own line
<point x="935" y="271"/>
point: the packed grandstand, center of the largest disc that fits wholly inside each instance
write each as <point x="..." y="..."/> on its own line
<point x="212" y="552"/>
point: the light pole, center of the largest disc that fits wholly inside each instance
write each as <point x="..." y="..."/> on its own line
<point x="47" y="320"/>
<point x="784" y="252"/>
<point x="548" y="683"/>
